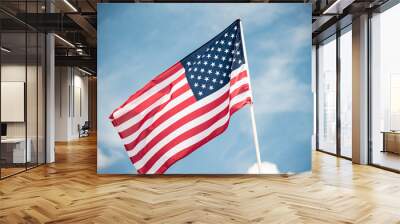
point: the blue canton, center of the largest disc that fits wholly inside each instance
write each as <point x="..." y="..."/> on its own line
<point x="208" y="68"/>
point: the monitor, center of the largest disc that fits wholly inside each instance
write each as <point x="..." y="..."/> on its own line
<point x="3" y="129"/>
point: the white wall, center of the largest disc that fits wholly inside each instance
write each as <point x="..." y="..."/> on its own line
<point x="62" y="81"/>
<point x="70" y="83"/>
<point x="33" y="126"/>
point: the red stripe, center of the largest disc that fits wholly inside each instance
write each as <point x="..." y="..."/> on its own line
<point x="127" y="132"/>
<point x="239" y="105"/>
<point x="243" y="88"/>
<point x="240" y="76"/>
<point x="153" y="112"/>
<point x="146" y="103"/>
<point x="188" y="134"/>
<point x="161" y="119"/>
<point x="161" y="77"/>
<point x="189" y="117"/>
<point x="191" y="148"/>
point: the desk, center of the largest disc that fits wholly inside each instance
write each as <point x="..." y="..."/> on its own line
<point x="13" y="150"/>
<point x="391" y="141"/>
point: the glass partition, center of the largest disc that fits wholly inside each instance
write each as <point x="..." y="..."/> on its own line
<point x="327" y="95"/>
<point x="346" y="92"/>
<point x="41" y="97"/>
<point x="31" y="100"/>
<point x="22" y="101"/>
<point x="385" y="89"/>
<point x="14" y="153"/>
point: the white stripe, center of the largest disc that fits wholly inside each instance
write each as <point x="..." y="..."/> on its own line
<point x="238" y="84"/>
<point x="177" y="132"/>
<point x="178" y="116"/>
<point x="150" y="121"/>
<point x="187" y="143"/>
<point x="141" y="115"/>
<point x="237" y="71"/>
<point x="148" y="93"/>
<point x="239" y="98"/>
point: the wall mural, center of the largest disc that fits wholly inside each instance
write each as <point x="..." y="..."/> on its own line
<point x="204" y="88"/>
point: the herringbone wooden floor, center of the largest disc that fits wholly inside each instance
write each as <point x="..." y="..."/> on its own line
<point x="70" y="191"/>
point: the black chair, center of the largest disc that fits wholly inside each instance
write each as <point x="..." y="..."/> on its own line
<point x="84" y="130"/>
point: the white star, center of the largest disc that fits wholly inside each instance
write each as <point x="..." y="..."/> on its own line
<point x="199" y="62"/>
<point x="216" y="42"/>
<point x="230" y="59"/>
<point x="212" y="48"/>
<point x="224" y="74"/>
<point x="235" y="28"/>
<point x="237" y="44"/>
<point x="230" y="43"/>
<point x="207" y="49"/>
<point x="220" y="65"/>
<point x="220" y="81"/>
<point x="237" y="52"/>
<point x="191" y="76"/>
<point x="196" y="84"/>
<point x="198" y="56"/>
<point x="226" y="34"/>
<point x="240" y="61"/>
<point x="233" y="51"/>
<point x="203" y="56"/>
<point x="214" y="80"/>
<point x="188" y="63"/>
<point x="212" y="64"/>
<point x="222" y="42"/>
<point x="209" y="71"/>
<point x="190" y="69"/>
<point x="226" y="51"/>
<point x="223" y="59"/>
<point x="232" y="35"/>
<point x="208" y="55"/>
<point x="211" y="88"/>
<point x="205" y="62"/>
<point x="195" y="69"/>
<point x="227" y="67"/>
<point x="206" y="79"/>
<point x="203" y="86"/>
<point x="219" y="49"/>
<point x="200" y="93"/>
<point x="202" y="70"/>
<point x="216" y="57"/>
<point x="199" y="77"/>
<point x="217" y="72"/>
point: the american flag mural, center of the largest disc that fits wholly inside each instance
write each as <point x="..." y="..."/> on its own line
<point x="187" y="105"/>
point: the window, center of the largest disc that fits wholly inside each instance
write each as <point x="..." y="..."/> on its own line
<point x="327" y="96"/>
<point x="346" y="92"/>
<point x="385" y="89"/>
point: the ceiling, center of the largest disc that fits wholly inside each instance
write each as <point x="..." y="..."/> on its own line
<point x="75" y="22"/>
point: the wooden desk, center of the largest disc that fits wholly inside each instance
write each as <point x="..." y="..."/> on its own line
<point x="391" y="141"/>
<point x="13" y="150"/>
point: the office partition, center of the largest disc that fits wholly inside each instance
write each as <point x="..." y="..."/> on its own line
<point x="22" y="77"/>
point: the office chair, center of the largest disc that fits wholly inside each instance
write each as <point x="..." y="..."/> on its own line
<point x="84" y="130"/>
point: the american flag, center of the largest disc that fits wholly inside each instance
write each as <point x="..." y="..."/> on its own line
<point x="187" y="105"/>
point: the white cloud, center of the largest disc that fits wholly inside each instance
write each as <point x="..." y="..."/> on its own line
<point x="105" y="161"/>
<point x="278" y="89"/>
<point x="266" y="168"/>
<point x="253" y="14"/>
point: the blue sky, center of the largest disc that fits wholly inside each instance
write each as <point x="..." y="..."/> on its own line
<point x="138" y="41"/>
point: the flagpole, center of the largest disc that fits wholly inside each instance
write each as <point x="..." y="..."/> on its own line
<point x="253" y="118"/>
